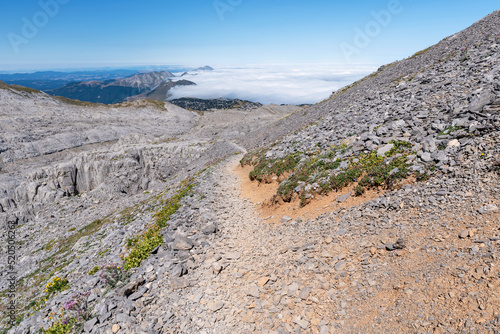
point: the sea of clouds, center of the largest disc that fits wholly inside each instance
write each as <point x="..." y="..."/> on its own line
<point x="279" y="84"/>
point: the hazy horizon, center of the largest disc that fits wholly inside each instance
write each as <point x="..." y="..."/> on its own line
<point x="266" y="84"/>
<point x="56" y="34"/>
<point x="289" y="52"/>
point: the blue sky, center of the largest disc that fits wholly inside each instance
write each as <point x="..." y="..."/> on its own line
<point x="94" y="33"/>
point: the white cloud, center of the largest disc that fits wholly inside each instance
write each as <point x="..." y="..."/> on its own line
<point x="280" y="84"/>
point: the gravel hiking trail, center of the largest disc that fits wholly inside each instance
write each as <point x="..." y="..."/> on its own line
<point x="338" y="273"/>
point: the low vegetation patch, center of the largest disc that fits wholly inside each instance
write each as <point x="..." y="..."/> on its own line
<point x="74" y="314"/>
<point x="113" y="275"/>
<point x="56" y="284"/>
<point x="141" y="246"/>
<point x="267" y="168"/>
<point x="142" y="104"/>
<point x="24" y="89"/>
<point x="252" y="157"/>
<point x="323" y="173"/>
<point x="310" y="171"/>
<point x="94" y="270"/>
<point x="157" y="103"/>
<point x="59" y="327"/>
<point x="172" y="205"/>
<point x="421" y="52"/>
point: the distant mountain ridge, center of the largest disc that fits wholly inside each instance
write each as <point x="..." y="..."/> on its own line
<point x="161" y="92"/>
<point x="112" y="91"/>
<point x="73" y="76"/>
<point x="204" y="68"/>
<point x="144" y="80"/>
<point x="46" y="80"/>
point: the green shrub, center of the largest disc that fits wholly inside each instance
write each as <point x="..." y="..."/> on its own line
<point x="142" y="248"/>
<point x="344" y="179"/>
<point x="450" y="129"/>
<point x="309" y="171"/>
<point x="266" y="168"/>
<point x="94" y="270"/>
<point x="303" y="200"/>
<point x="163" y="216"/>
<point x="381" y="176"/>
<point x="56" y="284"/>
<point x="59" y="328"/>
<point x="172" y="205"/>
<point x="422" y="177"/>
<point x="359" y="190"/>
<point x="141" y="245"/>
<point x="370" y="171"/>
<point x="399" y="147"/>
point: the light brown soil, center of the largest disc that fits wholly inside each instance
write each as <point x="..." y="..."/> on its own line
<point x="261" y="193"/>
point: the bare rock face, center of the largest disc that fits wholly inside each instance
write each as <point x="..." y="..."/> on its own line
<point x="123" y="168"/>
<point x="35" y="124"/>
<point x="51" y="151"/>
<point x="481" y="100"/>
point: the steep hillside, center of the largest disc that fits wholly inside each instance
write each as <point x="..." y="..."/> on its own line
<point x="437" y="59"/>
<point x="427" y="107"/>
<point x="401" y="171"/>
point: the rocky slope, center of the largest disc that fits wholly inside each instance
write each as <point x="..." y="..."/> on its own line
<point x="417" y="251"/>
<point x="398" y="84"/>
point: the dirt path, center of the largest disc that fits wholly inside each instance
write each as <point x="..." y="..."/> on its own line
<point x="274" y="281"/>
<point x="334" y="274"/>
